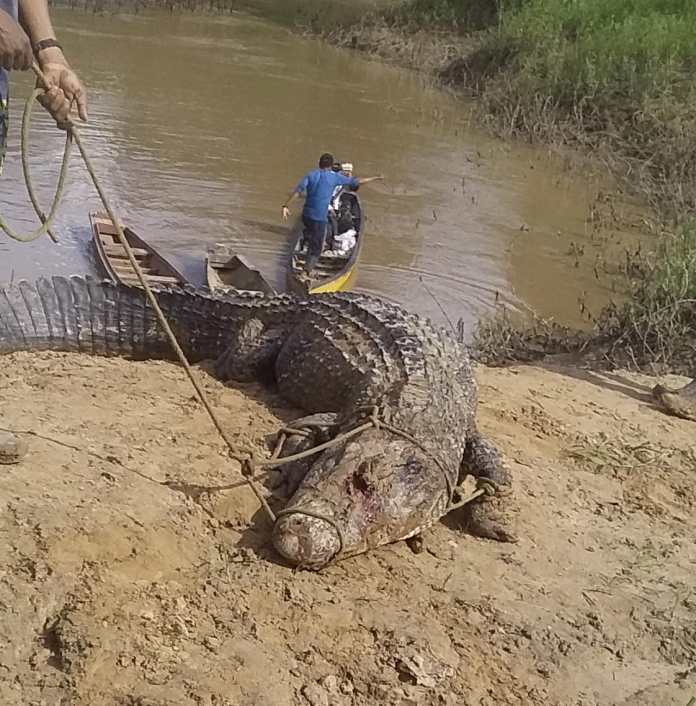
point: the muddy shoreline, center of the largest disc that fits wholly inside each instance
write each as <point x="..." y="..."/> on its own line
<point x="118" y="589"/>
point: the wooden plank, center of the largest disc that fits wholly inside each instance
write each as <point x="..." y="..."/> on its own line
<point x="130" y="271"/>
<point x="120" y="251"/>
<point x="151" y="278"/>
<point x="106" y="227"/>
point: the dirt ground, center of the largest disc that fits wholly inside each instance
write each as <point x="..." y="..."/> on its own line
<point x="118" y="588"/>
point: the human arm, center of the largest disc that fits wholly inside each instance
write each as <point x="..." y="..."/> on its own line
<point x="299" y="189"/>
<point x="355" y="182"/>
<point x="15" y="47"/>
<point x="66" y="88"/>
<point x="367" y="180"/>
<point x="290" y="199"/>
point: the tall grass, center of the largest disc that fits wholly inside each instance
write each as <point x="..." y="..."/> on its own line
<point x="653" y="328"/>
<point x="599" y="50"/>
<point x="657" y="324"/>
<point x="617" y="73"/>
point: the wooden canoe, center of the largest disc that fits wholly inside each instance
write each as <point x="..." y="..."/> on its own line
<point x="114" y="261"/>
<point x="333" y="272"/>
<point x="226" y="269"/>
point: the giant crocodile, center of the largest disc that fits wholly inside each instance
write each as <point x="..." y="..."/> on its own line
<point x="339" y="353"/>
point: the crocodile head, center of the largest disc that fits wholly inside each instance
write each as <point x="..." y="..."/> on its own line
<point x="373" y="489"/>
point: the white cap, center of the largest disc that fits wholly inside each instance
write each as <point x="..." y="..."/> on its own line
<point x="347" y="166"/>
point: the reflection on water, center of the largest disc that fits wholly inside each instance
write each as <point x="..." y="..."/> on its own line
<point x="200" y="126"/>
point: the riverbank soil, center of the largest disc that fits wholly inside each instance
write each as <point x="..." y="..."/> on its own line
<point x="116" y="588"/>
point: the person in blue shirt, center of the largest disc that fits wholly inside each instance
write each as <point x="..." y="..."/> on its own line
<point x="318" y="186"/>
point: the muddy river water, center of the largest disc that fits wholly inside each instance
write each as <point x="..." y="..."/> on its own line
<point x="199" y="126"/>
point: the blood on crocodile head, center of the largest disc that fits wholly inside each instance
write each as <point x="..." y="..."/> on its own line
<point x="374" y="489"/>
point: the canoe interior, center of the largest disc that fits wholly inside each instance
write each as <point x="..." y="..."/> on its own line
<point x="113" y="259"/>
<point x="226" y="269"/>
<point x="333" y="272"/>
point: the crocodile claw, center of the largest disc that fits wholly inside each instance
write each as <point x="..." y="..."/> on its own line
<point x="484" y="519"/>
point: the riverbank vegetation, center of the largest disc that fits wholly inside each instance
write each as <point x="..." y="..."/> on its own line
<point x="615" y="78"/>
<point x="652" y="329"/>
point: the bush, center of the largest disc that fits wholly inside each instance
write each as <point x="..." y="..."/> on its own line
<point x="616" y="75"/>
<point x="656" y="326"/>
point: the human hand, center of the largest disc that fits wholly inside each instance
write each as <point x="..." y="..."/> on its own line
<point x="15" y="47"/>
<point x="66" y="92"/>
<point x="286" y="213"/>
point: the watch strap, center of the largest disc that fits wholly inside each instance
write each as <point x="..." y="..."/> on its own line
<point x="46" y="44"/>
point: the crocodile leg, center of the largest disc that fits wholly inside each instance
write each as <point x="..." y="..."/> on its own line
<point x="488" y="516"/>
<point x="680" y="403"/>
<point x="317" y="429"/>
<point x="251" y="353"/>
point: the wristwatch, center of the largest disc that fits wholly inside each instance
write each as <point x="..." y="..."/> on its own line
<point x="46" y="44"/>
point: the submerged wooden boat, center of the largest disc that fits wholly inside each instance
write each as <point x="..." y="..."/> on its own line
<point x="114" y="261"/>
<point x="226" y="269"/>
<point x="335" y="270"/>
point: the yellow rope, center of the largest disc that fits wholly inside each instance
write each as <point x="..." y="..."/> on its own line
<point x="58" y="196"/>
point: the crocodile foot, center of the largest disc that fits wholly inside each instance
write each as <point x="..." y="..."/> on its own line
<point x="490" y="515"/>
<point x="491" y="518"/>
<point x="680" y="403"/>
<point x="313" y="430"/>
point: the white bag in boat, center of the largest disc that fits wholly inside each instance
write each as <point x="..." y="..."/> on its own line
<point x="345" y="241"/>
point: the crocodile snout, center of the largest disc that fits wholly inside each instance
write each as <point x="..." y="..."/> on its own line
<point x="305" y="540"/>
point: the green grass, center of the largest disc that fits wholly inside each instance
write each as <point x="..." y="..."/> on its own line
<point x="615" y="74"/>
<point x="657" y="323"/>
<point x="593" y="48"/>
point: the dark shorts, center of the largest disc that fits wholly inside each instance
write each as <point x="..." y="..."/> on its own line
<point x="314" y="233"/>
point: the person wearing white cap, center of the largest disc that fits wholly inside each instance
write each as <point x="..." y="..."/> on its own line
<point x="345" y="168"/>
<point x="318" y="185"/>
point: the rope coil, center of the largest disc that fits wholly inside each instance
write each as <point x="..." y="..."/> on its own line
<point x="46" y="221"/>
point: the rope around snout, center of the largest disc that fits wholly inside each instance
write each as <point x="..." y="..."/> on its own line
<point x="484" y="486"/>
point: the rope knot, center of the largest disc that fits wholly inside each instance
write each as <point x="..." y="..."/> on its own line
<point x="491" y="488"/>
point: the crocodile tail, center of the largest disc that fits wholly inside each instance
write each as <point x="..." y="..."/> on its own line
<point x="102" y="318"/>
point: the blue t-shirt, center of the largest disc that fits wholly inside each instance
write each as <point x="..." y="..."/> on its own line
<point x="319" y="185"/>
